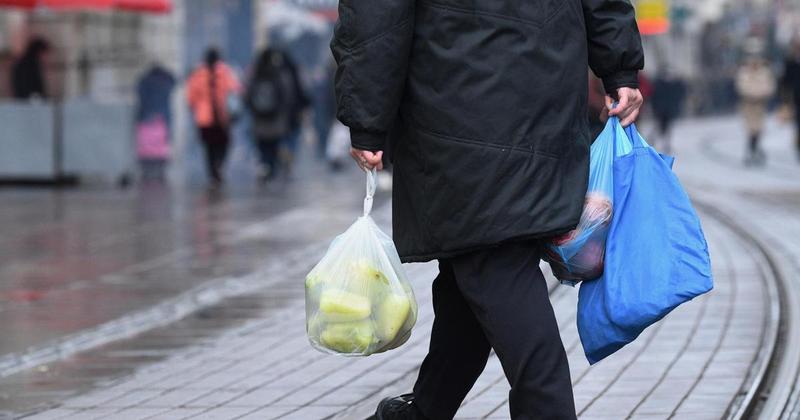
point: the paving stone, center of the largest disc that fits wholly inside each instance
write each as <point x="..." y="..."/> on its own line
<point x="131" y="399"/>
<point x="650" y="417"/>
<point x="307" y="413"/>
<point x="215" y="398"/>
<point x="53" y="414"/>
<point x="95" y="398"/>
<point x="346" y="396"/>
<point x="177" y="414"/>
<point x="705" y="403"/>
<point x="612" y="405"/>
<point x="479" y="409"/>
<point x="223" y="413"/>
<point x="265" y="396"/>
<point x="92" y="414"/>
<point x="269" y="413"/>
<point x="174" y="398"/>
<point x="137" y="413"/>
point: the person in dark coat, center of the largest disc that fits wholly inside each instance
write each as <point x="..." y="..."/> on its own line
<point x="154" y="112"/>
<point x="484" y="105"/>
<point x="669" y="93"/>
<point x="276" y="101"/>
<point x="791" y="85"/>
<point x="27" y="74"/>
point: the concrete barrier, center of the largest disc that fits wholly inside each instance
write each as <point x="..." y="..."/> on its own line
<point x="26" y="140"/>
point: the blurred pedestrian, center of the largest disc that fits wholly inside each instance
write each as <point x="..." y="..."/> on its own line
<point x="276" y="101"/>
<point x="209" y="91"/>
<point x="484" y="106"/>
<point x="27" y="74"/>
<point x="154" y="121"/>
<point x="791" y="86"/>
<point x="324" y="106"/>
<point x="755" y="85"/>
<point x="669" y="93"/>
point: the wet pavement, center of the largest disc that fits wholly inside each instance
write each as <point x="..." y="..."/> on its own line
<point x="82" y="267"/>
<point x="247" y="356"/>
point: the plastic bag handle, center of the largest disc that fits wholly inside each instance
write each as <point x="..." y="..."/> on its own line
<point x="372" y="184"/>
<point x="633" y="134"/>
<point x="614" y="121"/>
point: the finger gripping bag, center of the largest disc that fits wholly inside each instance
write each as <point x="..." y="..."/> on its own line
<point x="358" y="299"/>
<point x="579" y="254"/>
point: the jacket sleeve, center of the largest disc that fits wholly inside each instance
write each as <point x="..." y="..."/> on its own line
<point x="615" y="46"/>
<point x="371" y="45"/>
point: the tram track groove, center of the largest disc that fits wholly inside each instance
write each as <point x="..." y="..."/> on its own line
<point x="768" y="394"/>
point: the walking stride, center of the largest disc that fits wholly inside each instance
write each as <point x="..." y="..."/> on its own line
<point x="483" y="107"/>
<point x="755" y="85"/>
<point x="209" y="89"/>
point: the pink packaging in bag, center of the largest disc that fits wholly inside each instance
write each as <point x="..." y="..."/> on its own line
<point x="152" y="139"/>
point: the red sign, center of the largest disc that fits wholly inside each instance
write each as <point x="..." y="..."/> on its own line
<point x="152" y="6"/>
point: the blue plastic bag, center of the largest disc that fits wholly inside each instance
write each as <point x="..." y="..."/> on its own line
<point x="579" y="254"/>
<point x="656" y="253"/>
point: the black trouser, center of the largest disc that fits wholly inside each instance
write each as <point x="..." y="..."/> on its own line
<point x="495" y="298"/>
<point x="216" y="140"/>
<point x="797" y="125"/>
<point x="268" y="152"/>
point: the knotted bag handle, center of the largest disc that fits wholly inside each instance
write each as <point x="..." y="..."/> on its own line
<point x="372" y="185"/>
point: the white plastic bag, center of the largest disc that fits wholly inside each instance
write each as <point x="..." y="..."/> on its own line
<point x="358" y="299"/>
<point x="338" y="142"/>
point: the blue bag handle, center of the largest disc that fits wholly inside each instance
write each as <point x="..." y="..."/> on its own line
<point x="634" y="136"/>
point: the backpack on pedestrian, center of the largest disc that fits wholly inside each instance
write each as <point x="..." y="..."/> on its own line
<point x="264" y="97"/>
<point x="272" y="96"/>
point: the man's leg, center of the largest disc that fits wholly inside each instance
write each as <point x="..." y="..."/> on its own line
<point x="458" y="351"/>
<point x="207" y="137"/>
<point x="797" y="127"/>
<point x="219" y="151"/>
<point x="509" y="297"/>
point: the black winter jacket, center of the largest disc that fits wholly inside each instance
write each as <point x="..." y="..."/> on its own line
<point x="483" y="103"/>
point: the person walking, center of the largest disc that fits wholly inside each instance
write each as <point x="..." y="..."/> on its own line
<point x="208" y="91"/>
<point x="755" y="85"/>
<point x="276" y="101"/>
<point x="324" y="106"/>
<point x="154" y="120"/>
<point x="669" y="92"/>
<point x="483" y="104"/>
<point x="27" y="74"/>
<point x="791" y="86"/>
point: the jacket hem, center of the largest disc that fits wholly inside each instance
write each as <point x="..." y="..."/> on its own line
<point x="427" y="257"/>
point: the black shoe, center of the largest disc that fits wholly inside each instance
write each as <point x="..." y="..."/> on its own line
<point x="398" y="408"/>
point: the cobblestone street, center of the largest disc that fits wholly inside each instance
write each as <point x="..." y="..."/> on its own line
<point x="242" y="352"/>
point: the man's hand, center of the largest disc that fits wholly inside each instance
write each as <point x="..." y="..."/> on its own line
<point x="367" y="160"/>
<point x="630" y="101"/>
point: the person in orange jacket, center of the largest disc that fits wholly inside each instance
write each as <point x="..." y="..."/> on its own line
<point x="208" y="91"/>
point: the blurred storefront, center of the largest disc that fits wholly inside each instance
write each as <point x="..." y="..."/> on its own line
<point x="85" y="125"/>
<point x="95" y="53"/>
